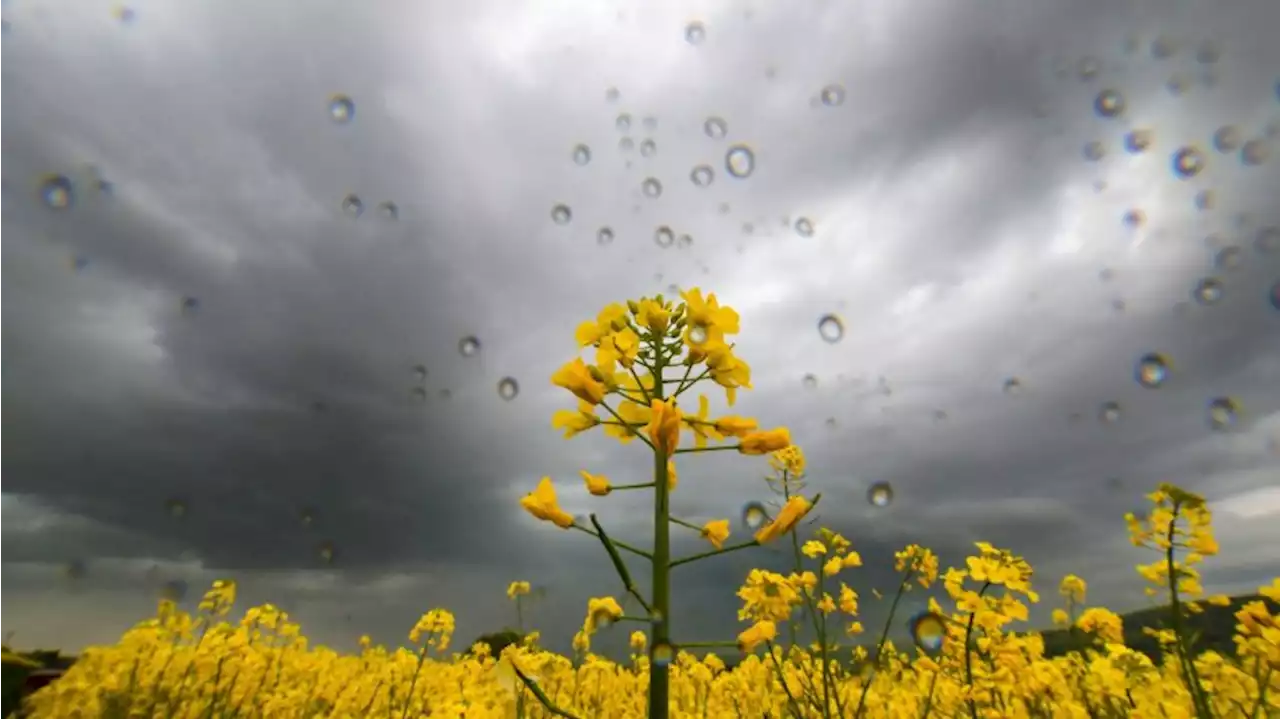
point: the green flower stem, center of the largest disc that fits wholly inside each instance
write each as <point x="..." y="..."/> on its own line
<point x="717" y="448"/>
<point x="682" y="523"/>
<point x="619" y="545"/>
<point x="1203" y="709"/>
<point x="610" y="410"/>
<point x="681" y="386"/>
<point x="686" y="384"/>
<point x="623" y="487"/>
<point x="618" y="564"/>
<point x="541" y="696"/>
<point x="884" y="636"/>
<point x="707" y="645"/>
<point x="629" y="618"/>
<point x="795" y="705"/>
<point x="968" y="654"/>
<point x="644" y="392"/>
<point x="659" y="675"/>
<point x="713" y="553"/>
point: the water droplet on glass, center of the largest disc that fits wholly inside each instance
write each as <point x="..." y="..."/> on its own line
<point x="684" y="242"/>
<point x="468" y="346"/>
<point x="326" y="552"/>
<point x="702" y="175"/>
<point x="1255" y="152"/>
<point x="1206" y="200"/>
<point x="651" y="187"/>
<point x="419" y="394"/>
<point x="341" y="109"/>
<point x="830" y="328"/>
<point x="1094" y="151"/>
<point x="307" y="517"/>
<point x="754" y="515"/>
<point x="75" y="570"/>
<point x="1226" y="139"/>
<point x="1152" y="370"/>
<point x="125" y="14"/>
<point x="604" y="236"/>
<point x="561" y="214"/>
<point x="832" y="95"/>
<point x="662" y="654"/>
<point x="1223" y="413"/>
<point x="189" y="305"/>
<point x="581" y="154"/>
<point x="352" y="205"/>
<point x="1208" y="291"/>
<point x="623" y="123"/>
<point x="176" y="508"/>
<point x="880" y="494"/>
<point x="1109" y="103"/>
<point x="56" y="192"/>
<point x="695" y="32"/>
<point x="421" y="372"/>
<point x="508" y="388"/>
<point x="1228" y="258"/>
<point x="602" y="619"/>
<point x="612" y="94"/>
<point x="1188" y="162"/>
<point x="1267" y="241"/>
<point x="648" y="148"/>
<point x="1137" y="141"/>
<point x="1088" y="67"/>
<point x="1178" y="85"/>
<point x="697" y="335"/>
<point x="389" y="210"/>
<point x="1109" y="412"/>
<point x="928" y="631"/>
<point x="715" y="127"/>
<point x="1133" y="219"/>
<point x="664" y="237"/>
<point x="809" y="381"/>
<point x="804" y="227"/>
<point x="1208" y="53"/>
<point x="740" y="161"/>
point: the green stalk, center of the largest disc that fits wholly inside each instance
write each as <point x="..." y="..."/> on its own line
<point x="659" y="675"/>
<point x="968" y="654"/>
<point x="1175" y="609"/>
<point x="712" y="553"/>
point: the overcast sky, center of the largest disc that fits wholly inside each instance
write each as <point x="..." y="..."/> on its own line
<point x="205" y="325"/>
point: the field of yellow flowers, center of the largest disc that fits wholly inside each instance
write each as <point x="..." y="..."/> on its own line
<point x="965" y="659"/>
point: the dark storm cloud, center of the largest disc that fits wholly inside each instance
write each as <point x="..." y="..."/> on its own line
<point x="952" y="238"/>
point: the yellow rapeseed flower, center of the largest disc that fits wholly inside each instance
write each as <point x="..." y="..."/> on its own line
<point x="716" y="531"/>
<point x="765" y="442"/>
<point x="596" y="484"/>
<point x="577" y="378"/>
<point x="757" y="634"/>
<point x="664" y="426"/>
<point x="791" y="513"/>
<point x="541" y="503"/>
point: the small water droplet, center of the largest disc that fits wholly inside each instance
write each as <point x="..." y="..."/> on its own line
<point x="1094" y="151"/>
<point x="1088" y="67"/>
<point x="928" y="631"/>
<point x="664" y="237"/>
<point x="715" y="127"/>
<point x="1178" y="85"/>
<point x="508" y="388"/>
<point x="1012" y="385"/>
<point x="307" y="517"/>
<point x="662" y="654"/>
<point x="1226" y="139"/>
<point x="1267" y="241"/>
<point x="1223" y="413"/>
<point x="754" y="515"/>
<point x="1208" y="291"/>
<point x="1188" y="162"/>
<point x="419" y="394"/>
<point x="1255" y="152"/>
<point x="352" y="205"/>
<point x="581" y="154"/>
<point x="626" y="144"/>
<point x="1208" y="53"/>
<point x="740" y="161"/>
<point x="190" y="305"/>
<point x="176" y="508"/>
<point x="804" y="227"/>
<point x="341" y="109"/>
<point x="648" y="148"/>
<point x="421" y="372"/>
<point x="1152" y="370"/>
<point x="1133" y="219"/>
<point x="326" y="551"/>
<point x="651" y="187"/>
<point x="561" y="214"/>
<point x="1109" y="103"/>
<point x="1138" y="141"/>
<point x="684" y="242"/>
<point x="702" y="175"/>
<point x="468" y="346"/>
<point x="832" y="95"/>
<point x="1109" y="412"/>
<point x="830" y="329"/>
<point x="1206" y="200"/>
<point x="389" y="210"/>
<point x="697" y="335"/>
<point x="623" y="123"/>
<point x="612" y="94"/>
<point x="695" y="32"/>
<point x="880" y="494"/>
<point x="1163" y="47"/>
<point x="1228" y="258"/>
<point x="604" y="236"/>
<point x="809" y="381"/>
<point x="56" y="192"/>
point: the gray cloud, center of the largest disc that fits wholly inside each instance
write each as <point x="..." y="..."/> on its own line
<point x="960" y="236"/>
